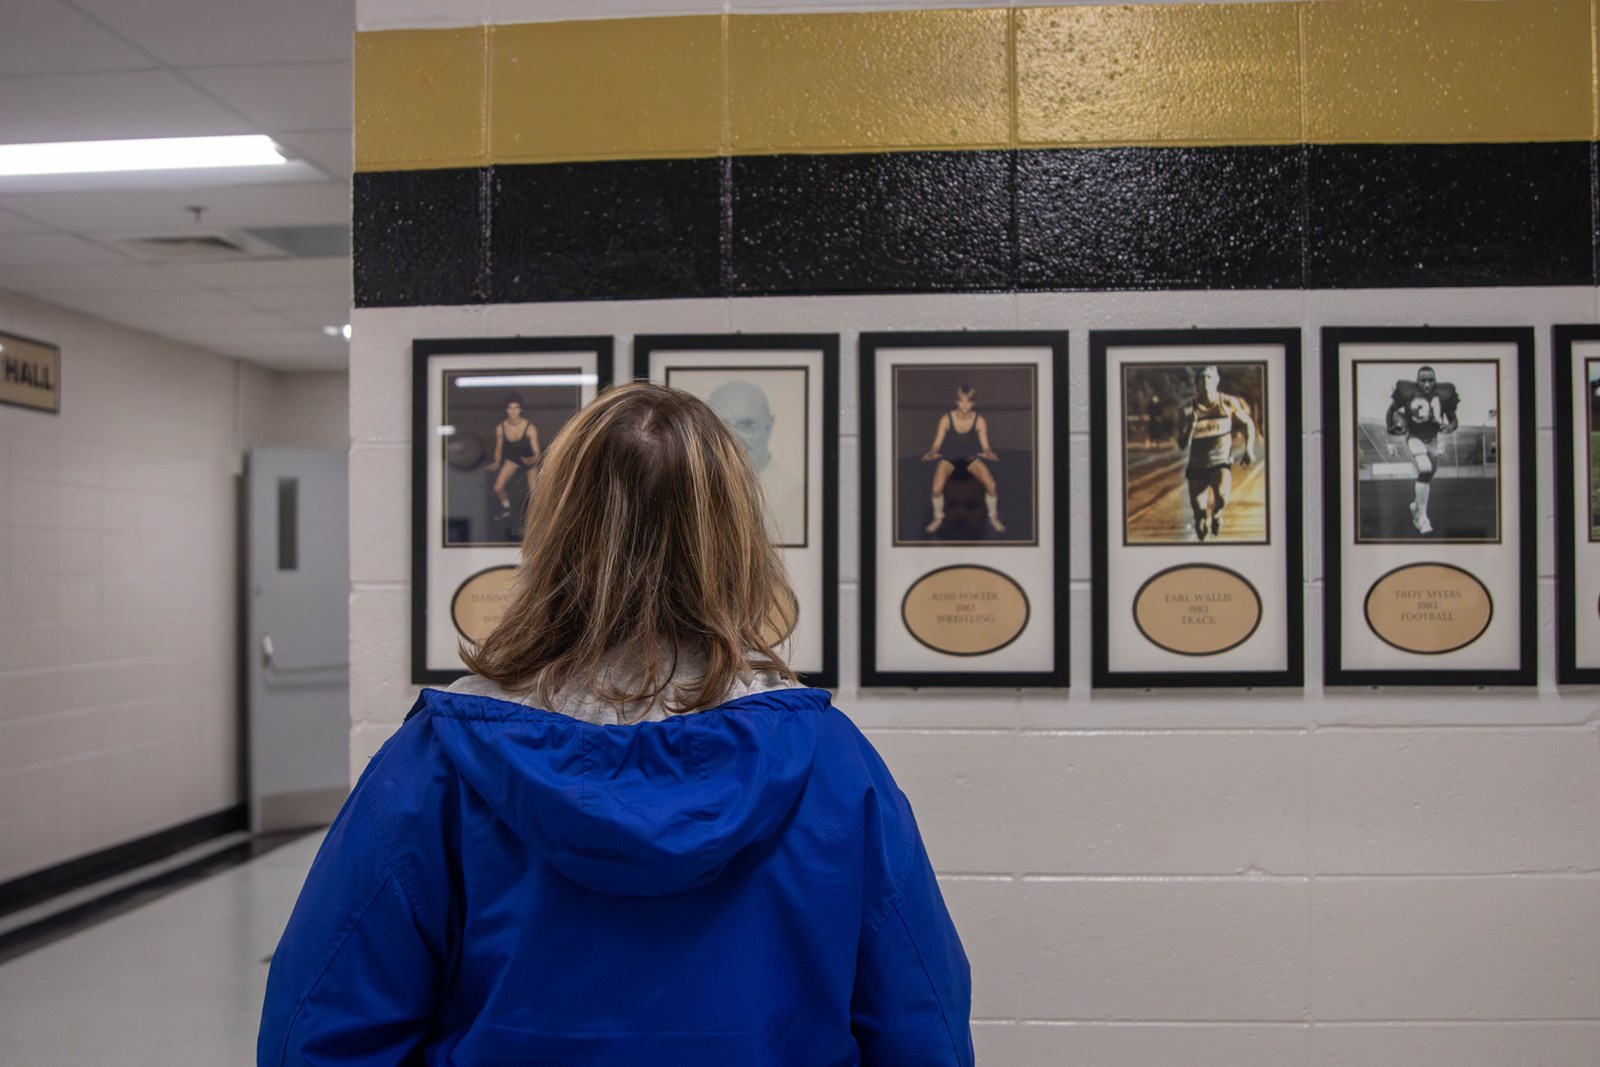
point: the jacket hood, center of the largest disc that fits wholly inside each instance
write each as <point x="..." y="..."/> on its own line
<point x="643" y="810"/>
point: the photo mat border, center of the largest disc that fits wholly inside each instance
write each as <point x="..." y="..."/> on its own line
<point x="1562" y="338"/>
<point x="1291" y="433"/>
<point x="1333" y="452"/>
<point x="894" y="408"/>
<point x="423" y="350"/>
<point x="644" y="345"/>
<point x="869" y="344"/>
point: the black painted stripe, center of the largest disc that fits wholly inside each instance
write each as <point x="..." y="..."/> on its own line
<point x="1094" y="219"/>
<point x="31" y="889"/>
<point x="65" y="923"/>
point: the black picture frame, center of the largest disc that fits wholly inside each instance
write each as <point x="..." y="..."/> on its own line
<point x="1563" y="337"/>
<point x="423" y="352"/>
<point x="827" y="425"/>
<point x="1058" y="598"/>
<point x="1289" y="448"/>
<point x="1336" y="444"/>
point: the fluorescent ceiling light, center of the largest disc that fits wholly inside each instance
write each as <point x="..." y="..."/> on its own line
<point x="338" y="331"/>
<point x="500" y="380"/>
<point x="156" y="153"/>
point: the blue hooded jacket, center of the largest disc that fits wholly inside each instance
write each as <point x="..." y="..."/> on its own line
<point x="741" y="886"/>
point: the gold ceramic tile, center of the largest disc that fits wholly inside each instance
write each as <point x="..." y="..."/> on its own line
<point x="1159" y="74"/>
<point x="606" y="89"/>
<point x="419" y="99"/>
<point x="1449" y="71"/>
<point x="866" y="80"/>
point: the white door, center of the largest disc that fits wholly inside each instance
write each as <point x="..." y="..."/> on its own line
<point x="298" y="636"/>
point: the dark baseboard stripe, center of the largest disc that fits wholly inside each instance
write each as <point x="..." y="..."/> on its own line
<point x="31" y="889"/>
<point x="1082" y="219"/>
<point x="90" y="913"/>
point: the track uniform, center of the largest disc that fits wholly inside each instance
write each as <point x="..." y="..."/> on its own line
<point x="1211" y="437"/>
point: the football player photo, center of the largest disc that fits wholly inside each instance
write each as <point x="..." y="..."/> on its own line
<point x="1427" y="444"/>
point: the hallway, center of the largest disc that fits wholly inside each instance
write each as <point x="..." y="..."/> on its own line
<point x="178" y="980"/>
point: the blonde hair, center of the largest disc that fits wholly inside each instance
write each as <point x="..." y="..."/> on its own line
<point x="645" y="538"/>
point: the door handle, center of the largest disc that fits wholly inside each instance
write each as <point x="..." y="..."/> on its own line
<point x="270" y="662"/>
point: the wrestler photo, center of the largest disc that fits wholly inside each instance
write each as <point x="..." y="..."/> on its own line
<point x="498" y="428"/>
<point x="1592" y="375"/>
<point x="964" y="454"/>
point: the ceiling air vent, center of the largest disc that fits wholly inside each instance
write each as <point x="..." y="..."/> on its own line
<point x="191" y="246"/>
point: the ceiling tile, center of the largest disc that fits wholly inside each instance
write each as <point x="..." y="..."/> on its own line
<point x="115" y="305"/>
<point x="92" y="107"/>
<point x="95" y="278"/>
<point x="46" y="37"/>
<point x="279" y="272"/>
<point x="315" y="298"/>
<point x="194" y="32"/>
<point x="52" y="250"/>
<point x="300" y="96"/>
<point x="331" y="151"/>
<point x="10" y="223"/>
<point x="207" y="323"/>
<point x="332" y="315"/>
<point x="305" y="204"/>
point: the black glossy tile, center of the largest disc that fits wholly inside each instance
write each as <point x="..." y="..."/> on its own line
<point x="1160" y="218"/>
<point x="420" y="237"/>
<point x="872" y="223"/>
<point x="634" y="229"/>
<point x="1437" y="215"/>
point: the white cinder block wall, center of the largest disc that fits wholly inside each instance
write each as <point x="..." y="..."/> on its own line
<point x="118" y="707"/>
<point x="1364" y="878"/>
<point x="1233" y="879"/>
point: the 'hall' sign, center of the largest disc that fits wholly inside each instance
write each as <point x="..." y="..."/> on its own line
<point x="30" y="373"/>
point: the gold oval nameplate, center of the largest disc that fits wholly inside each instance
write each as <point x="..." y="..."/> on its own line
<point x="1429" y="608"/>
<point x="1197" y="609"/>
<point x="965" y="610"/>
<point x="480" y="601"/>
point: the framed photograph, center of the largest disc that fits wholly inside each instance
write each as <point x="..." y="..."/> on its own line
<point x="483" y="411"/>
<point x="779" y="393"/>
<point x="964" y="509"/>
<point x="1429" y="510"/>
<point x="1576" y="359"/>
<point x="1198" y="569"/>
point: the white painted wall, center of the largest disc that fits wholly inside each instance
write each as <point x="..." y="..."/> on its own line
<point x="1235" y="879"/>
<point x="309" y="409"/>
<point x="118" y="713"/>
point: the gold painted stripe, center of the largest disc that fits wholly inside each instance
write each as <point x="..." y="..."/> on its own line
<point x="1436" y="71"/>
<point x="609" y="89"/>
<point x="869" y="80"/>
<point x="420" y="99"/>
<point x="1190" y="74"/>
<point x="1362" y="71"/>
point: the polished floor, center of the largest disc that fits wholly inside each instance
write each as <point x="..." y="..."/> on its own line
<point x="175" y="981"/>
